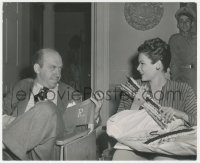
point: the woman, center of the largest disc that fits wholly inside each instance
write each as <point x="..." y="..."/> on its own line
<point x="176" y="98"/>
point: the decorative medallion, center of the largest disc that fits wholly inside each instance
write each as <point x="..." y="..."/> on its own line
<point x="143" y="16"/>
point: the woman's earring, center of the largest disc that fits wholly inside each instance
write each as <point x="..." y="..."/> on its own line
<point x="157" y="68"/>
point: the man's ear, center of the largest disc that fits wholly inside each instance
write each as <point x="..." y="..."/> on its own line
<point x="36" y="68"/>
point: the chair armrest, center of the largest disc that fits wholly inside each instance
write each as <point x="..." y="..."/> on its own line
<point x="78" y="146"/>
<point x="68" y="138"/>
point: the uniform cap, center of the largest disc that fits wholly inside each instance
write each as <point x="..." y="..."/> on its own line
<point x="187" y="11"/>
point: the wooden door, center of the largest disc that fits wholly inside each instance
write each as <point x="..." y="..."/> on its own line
<point x="73" y="41"/>
<point x="11" y="45"/>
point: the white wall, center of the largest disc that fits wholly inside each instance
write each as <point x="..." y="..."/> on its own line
<point x="124" y="40"/>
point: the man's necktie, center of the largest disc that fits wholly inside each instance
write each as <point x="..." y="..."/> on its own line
<point x="42" y="95"/>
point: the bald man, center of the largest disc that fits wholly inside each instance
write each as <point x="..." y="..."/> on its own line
<point x="32" y="119"/>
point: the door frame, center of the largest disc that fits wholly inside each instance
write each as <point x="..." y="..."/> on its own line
<point x="100" y="53"/>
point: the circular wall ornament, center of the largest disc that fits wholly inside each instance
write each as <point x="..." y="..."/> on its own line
<point x="143" y="16"/>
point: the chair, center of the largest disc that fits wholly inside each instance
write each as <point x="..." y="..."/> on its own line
<point x="76" y="143"/>
<point x="78" y="146"/>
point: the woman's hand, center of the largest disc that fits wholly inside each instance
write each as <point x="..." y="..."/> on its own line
<point x="169" y="112"/>
<point x="139" y="98"/>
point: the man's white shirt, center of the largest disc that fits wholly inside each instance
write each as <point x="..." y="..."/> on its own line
<point x="36" y="89"/>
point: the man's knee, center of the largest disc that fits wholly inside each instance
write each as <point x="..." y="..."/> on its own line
<point x="46" y="108"/>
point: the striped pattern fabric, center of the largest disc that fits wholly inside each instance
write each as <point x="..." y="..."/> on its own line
<point x="177" y="95"/>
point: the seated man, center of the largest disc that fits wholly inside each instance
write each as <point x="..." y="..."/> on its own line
<point x="32" y="119"/>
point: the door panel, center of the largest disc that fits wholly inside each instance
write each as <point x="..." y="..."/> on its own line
<point x="73" y="41"/>
<point x="10" y="45"/>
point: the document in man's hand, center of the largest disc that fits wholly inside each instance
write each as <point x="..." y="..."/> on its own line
<point x="79" y="114"/>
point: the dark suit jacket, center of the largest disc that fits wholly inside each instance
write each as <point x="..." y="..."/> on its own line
<point x="16" y="101"/>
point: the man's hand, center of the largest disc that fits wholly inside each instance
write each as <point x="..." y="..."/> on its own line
<point x="7" y="120"/>
<point x="91" y="128"/>
<point x="98" y="100"/>
<point x="3" y="146"/>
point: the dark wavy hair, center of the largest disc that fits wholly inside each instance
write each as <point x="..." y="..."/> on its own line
<point x="156" y="49"/>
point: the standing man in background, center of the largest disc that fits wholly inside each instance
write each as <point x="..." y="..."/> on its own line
<point x="183" y="46"/>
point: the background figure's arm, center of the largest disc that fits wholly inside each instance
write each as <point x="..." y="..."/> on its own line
<point x="174" y="64"/>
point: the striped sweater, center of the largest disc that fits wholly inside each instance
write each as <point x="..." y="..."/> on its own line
<point x="177" y="95"/>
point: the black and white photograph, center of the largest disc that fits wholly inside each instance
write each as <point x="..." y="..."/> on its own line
<point x="99" y="80"/>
